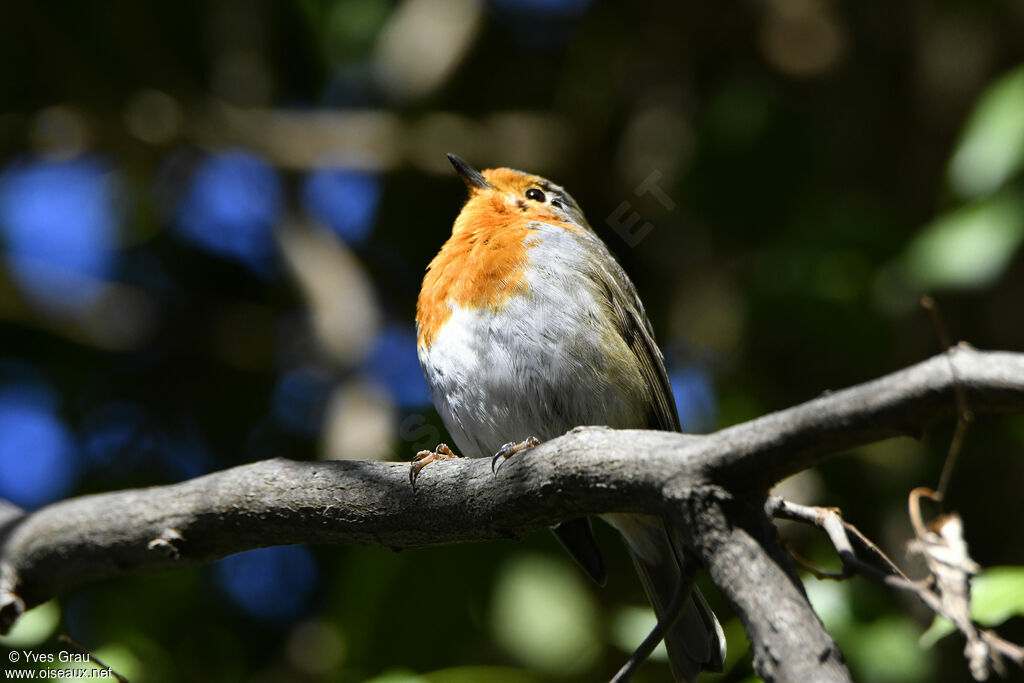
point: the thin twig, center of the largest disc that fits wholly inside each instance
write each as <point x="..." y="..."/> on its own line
<point x="675" y="608"/>
<point x="839" y="531"/>
<point x="817" y="572"/>
<point x="963" y="412"/>
<point x="1005" y="648"/>
<point x="66" y="640"/>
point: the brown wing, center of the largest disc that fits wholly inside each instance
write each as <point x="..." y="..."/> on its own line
<point x="636" y="330"/>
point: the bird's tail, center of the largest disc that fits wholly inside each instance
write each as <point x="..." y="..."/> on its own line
<point x="695" y="642"/>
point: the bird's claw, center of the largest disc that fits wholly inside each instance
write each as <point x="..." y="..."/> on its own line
<point x="510" y="449"/>
<point x="424" y="458"/>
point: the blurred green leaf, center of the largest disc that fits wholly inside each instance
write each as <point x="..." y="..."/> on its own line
<point x="155" y="663"/>
<point x="968" y="247"/>
<point x="939" y="629"/>
<point x="996" y="595"/>
<point x="543" y="615"/>
<point x="34" y="627"/>
<point x="737" y="643"/>
<point x="631" y="625"/>
<point x="117" y="657"/>
<point x="316" y="646"/>
<point x="831" y="602"/>
<point x="887" y="651"/>
<point x="884" y="650"/>
<point x="991" y="148"/>
<point x="472" y="674"/>
<point x="352" y="26"/>
<point x="398" y="676"/>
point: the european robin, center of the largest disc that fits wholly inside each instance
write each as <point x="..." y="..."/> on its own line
<point x="527" y="326"/>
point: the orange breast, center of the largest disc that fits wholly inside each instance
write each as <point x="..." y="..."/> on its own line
<point x="482" y="265"/>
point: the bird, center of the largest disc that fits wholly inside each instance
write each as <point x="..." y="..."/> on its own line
<point x="528" y="327"/>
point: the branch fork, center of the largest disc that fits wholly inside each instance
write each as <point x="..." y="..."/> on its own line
<point x="712" y="488"/>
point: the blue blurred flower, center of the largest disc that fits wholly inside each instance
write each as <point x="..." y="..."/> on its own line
<point x="344" y="200"/>
<point x="299" y="400"/>
<point x="543" y="7"/>
<point x="58" y="220"/>
<point x="695" y="399"/>
<point x="119" y="435"/>
<point x="230" y="208"/>
<point x="184" y="454"/>
<point x="38" y="456"/>
<point x="393" y="363"/>
<point x="274" y="585"/>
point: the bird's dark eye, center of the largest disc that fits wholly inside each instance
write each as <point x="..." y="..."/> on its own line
<point x="535" y="194"/>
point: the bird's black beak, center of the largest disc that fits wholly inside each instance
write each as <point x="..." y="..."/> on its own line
<point x="472" y="177"/>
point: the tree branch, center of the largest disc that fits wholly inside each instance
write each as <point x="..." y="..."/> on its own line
<point x="713" y="486"/>
<point x="738" y="545"/>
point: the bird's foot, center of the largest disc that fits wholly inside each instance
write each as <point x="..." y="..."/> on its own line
<point x="424" y="458"/>
<point x="510" y="449"/>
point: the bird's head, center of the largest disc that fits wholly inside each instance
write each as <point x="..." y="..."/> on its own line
<point x="499" y="195"/>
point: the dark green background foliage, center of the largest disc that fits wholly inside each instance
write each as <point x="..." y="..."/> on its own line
<point x="821" y="164"/>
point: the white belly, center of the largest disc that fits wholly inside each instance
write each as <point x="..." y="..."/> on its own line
<point x="538" y="368"/>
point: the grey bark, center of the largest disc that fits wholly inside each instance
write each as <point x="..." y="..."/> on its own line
<point x="714" y="488"/>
